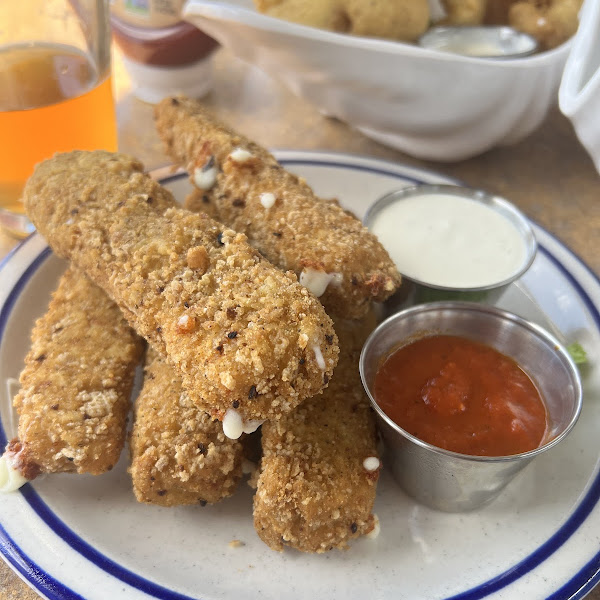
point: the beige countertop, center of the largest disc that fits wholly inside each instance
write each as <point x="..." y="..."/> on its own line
<point x="549" y="175"/>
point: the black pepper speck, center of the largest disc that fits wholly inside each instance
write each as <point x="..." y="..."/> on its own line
<point x="209" y="164"/>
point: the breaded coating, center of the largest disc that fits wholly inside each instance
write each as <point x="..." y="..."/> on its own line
<point x="403" y="20"/>
<point x="550" y="22"/>
<point x="464" y="12"/>
<point x="76" y="384"/>
<point x="330" y="250"/>
<point x="179" y="454"/>
<point x="199" y="201"/>
<point x="315" y="491"/>
<point x="393" y="19"/>
<point x="244" y="336"/>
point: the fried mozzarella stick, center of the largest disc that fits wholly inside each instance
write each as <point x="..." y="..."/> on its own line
<point x="179" y="454"/>
<point x="332" y="253"/>
<point x="320" y="464"/>
<point x="249" y="342"/>
<point x="75" y="387"/>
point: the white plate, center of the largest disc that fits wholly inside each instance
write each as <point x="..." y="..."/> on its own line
<point x="85" y="537"/>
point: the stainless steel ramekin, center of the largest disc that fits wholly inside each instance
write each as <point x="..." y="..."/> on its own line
<point x="455" y="482"/>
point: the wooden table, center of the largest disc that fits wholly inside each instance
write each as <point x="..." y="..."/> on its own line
<point x="549" y="175"/>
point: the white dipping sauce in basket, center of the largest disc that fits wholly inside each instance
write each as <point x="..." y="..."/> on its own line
<point x="450" y="241"/>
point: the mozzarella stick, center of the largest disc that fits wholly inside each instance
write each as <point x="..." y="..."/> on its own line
<point x="249" y="342"/>
<point x="320" y="465"/>
<point x="179" y="454"/>
<point x="330" y="251"/>
<point x="76" y="385"/>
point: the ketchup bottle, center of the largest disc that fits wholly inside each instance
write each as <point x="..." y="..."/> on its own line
<point x="163" y="54"/>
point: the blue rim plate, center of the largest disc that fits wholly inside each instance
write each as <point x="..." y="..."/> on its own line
<point x="85" y="537"/>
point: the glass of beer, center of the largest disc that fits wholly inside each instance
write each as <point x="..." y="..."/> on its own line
<point x="55" y="90"/>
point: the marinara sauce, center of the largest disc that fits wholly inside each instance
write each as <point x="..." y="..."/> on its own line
<point x="461" y="395"/>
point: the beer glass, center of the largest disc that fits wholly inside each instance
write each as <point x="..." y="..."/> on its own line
<point x="55" y="90"/>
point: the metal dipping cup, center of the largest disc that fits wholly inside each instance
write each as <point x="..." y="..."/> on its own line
<point x="449" y="481"/>
<point x="485" y="41"/>
<point x="414" y="290"/>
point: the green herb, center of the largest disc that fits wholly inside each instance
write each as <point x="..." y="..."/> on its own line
<point x="577" y="353"/>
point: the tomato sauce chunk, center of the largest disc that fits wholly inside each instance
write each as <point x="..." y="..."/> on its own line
<point x="461" y="395"/>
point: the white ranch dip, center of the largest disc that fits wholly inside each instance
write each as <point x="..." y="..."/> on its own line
<point x="473" y="48"/>
<point x="449" y="241"/>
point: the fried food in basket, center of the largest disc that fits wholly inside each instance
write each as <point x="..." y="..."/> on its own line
<point x="179" y="454"/>
<point x="330" y="250"/>
<point x="550" y="22"/>
<point x="76" y="384"/>
<point x="249" y="342"/>
<point x="403" y="20"/>
<point x="464" y="12"/>
<point x="323" y="14"/>
<point x="320" y="464"/>
<point x="393" y="19"/>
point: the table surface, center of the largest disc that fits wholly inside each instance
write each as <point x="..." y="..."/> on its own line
<point x="548" y="176"/>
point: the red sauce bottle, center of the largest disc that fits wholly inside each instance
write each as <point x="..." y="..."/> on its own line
<point x="163" y="54"/>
